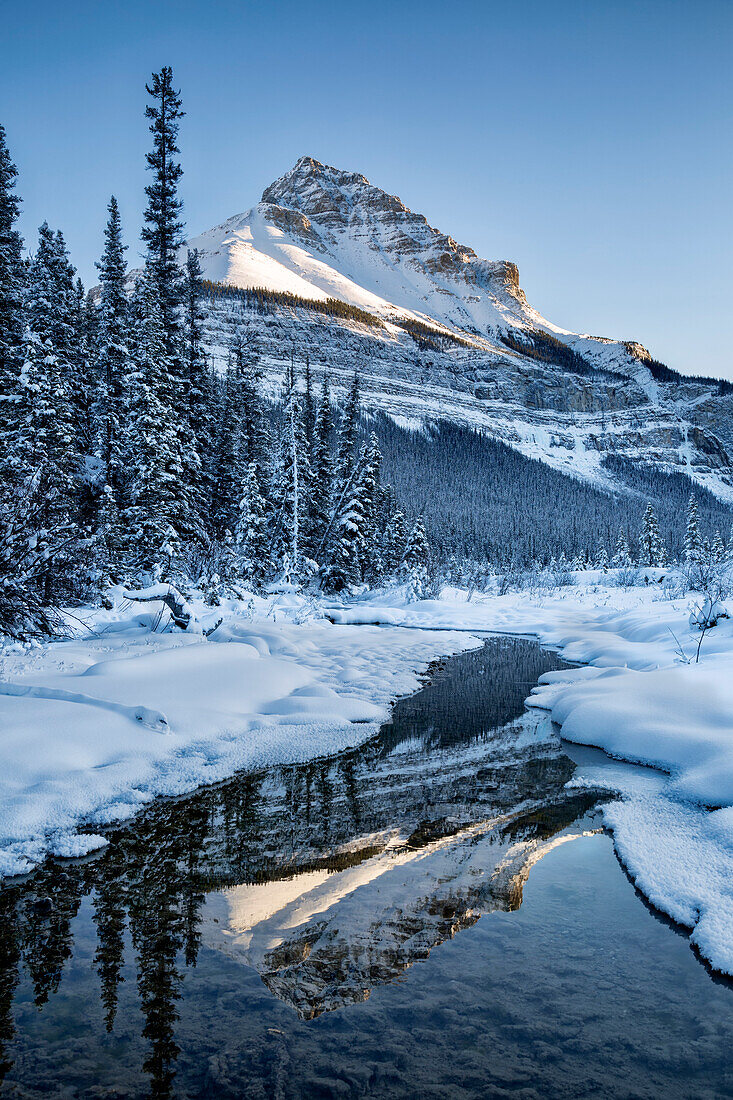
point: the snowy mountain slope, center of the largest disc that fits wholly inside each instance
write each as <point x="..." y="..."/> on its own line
<point x="320" y="233"/>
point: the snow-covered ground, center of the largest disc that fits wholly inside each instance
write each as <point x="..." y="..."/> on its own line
<point x="93" y="728"/>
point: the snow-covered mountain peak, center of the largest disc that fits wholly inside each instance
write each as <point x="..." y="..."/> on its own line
<point x="340" y="201"/>
<point x="321" y="232"/>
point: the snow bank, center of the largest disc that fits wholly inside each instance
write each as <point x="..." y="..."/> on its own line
<point x="91" y="730"/>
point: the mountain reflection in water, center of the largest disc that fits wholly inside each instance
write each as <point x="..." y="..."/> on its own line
<point x="328" y="878"/>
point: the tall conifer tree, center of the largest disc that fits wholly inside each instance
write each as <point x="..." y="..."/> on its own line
<point x="163" y="229"/>
<point x="114" y="350"/>
<point x="322" y="465"/>
<point x="159" y="508"/>
<point x="11" y="285"/>
<point x="693" y="542"/>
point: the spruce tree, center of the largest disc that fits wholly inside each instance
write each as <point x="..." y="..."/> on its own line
<point x="622" y="556"/>
<point x="717" y="550"/>
<point x="650" y="540"/>
<point x="195" y="395"/>
<point x="114" y="364"/>
<point x="348" y="428"/>
<point x="394" y="542"/>
<point x="602" y="560"/>
<point x="371" y="556"/>
<point x="415" y="562"/>
<point x="417" y="550"/>
<point x="240" y="433"/>
<point x="52" y="301"/>
<point x="292" y="483"/>
<point x="45" y="468"/>
<point x="323" y="466"/>
<point x="163" y="235"/>
<point x="163" y="229"/>
<point x="159" y="509"/>
<point x="84" y="382"/>
<point x="114" y="374"/>
<point x="344" y="567"/>
<point x="196" y="382"/>
<point x="693" y="543"/>
<point x="49" y="430"/>
<point x="11" y="289"/>
<point x="251" y="534"/>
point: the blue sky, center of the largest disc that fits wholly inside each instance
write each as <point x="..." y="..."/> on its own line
<point x="588" y="141"/>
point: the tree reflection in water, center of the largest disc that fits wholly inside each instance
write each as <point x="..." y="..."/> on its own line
<point x="453" y="755"/>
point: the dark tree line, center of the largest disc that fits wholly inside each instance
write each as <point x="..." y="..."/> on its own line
<point x="483" y="500"/>
<point x="538" y="344"/>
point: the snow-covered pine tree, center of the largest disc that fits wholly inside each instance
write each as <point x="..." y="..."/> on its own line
<point x="159" y="508"/>
<point x="240" y="433"/>
<point x="163" y="235"/>
<point x="51" y="298"/>
<point x="346" y="540"/>
<point x="251" y="536"/>
<point x="197" y="378"/>
<point x="394" y="542"/>
<point x="114" y="360"/>
<point x="693" y="542"/>
<point x="114" y="370"/>
<point x="372" y="566"/>
<point x="651" y="547"/>
<point x="717" y="549"/>
<point x="622" y="556"/>
<point x="12" y="277"/>
<point x="196" y="397"/>
<point x="348" y="429"/>
<point x="417" y="549"/>
<point x="292" y="483"/>
<point x="163" y="229"/>
<point x="602" y="560"/>
<point x="415" y="561"/>
<point x="309" y="410"/>
<point x="44" y="457"/>
<point x="49" y="431"/>
<point x="323" y="464"/>
<point x="21" y="612"/>
<point x="339" y="542"/>
<point x="83" y="366"/>
<point x="30" y="547"/>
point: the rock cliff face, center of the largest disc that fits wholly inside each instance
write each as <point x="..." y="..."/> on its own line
<point x="440" y="333"/>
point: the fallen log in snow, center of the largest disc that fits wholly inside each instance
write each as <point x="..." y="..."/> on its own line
<point x="181" y="613"/>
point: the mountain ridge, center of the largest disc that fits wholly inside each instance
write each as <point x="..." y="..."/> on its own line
<point x="322" y="233"/>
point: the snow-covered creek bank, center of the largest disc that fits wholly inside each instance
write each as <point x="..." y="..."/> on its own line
<point x="332" y="910"/>
<point x="93" y="729"/>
